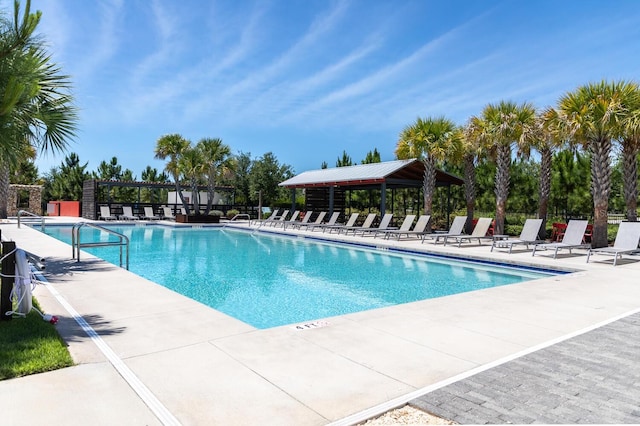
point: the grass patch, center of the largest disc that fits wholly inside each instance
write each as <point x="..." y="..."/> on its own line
<point x="30" y="345"/>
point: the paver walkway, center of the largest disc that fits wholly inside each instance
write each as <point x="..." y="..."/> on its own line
<point x="591" y="378"/>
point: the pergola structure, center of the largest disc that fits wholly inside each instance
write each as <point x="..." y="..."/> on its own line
<point x="380" y="176"/>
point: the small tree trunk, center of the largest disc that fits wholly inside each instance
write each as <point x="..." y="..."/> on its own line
<point x="211" y="185"/>
<point x="428" y="183"/>
<point x="4" y="189"/>
<point x="544" y="190"/>
<point x="470" y="189"/>
<point x="502" y="185"/>
<point x="630" y="150"/>
<point x="601" y="187"/>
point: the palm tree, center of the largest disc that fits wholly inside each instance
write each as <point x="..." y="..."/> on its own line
<point x="36" y="108"/>
<point x="430" y="140"/>
<point x="191" y="166"/>
<point x="547" y="140"/>
<point x="500" y="127"/>
<point x="630" y="142"/>
<point x="593" y="116"/>
<point x="216" y="158"/>
<point x="467" y="151"/>
<point x="173" y="146"/>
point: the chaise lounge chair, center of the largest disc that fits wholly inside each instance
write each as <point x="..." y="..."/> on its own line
<point x="479" y="233"/>
<point x="148" y="214"/>
<point x="318" y="221"/>
<point x="455" y="230"/>
<point x="275" y="219"/>
<point x="283" y="223"/>
<point x="127" y="214"/>
<point x="627" y="240"/>
<point x="572" y="238"/>
<point x="167" y="213"/>
<point x="105" y="213"/>
<point x="332" y="221"/>
<point x="418" y="230"/>
<point x="366" y="225"/>
<point x="384" y="224"/>
<point x="406" y="226"/>
<point x="339" y="227"/>
<point x="305" y="219"/>
<point x="529" y="235"/>
<point x="271" y="218"/>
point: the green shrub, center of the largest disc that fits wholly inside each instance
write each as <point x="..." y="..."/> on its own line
<point x="231" y="213"/>
<point x="216" y="213"/>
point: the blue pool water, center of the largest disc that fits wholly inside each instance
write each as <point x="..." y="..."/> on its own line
<point x="269" y="280"/>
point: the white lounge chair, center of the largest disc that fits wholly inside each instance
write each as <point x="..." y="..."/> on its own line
<point x="572" y="238"/>
<point x="305" y="219"/>
<point x="365" y="225"/>
<point x="283" y="223"/>
<point x="332" y="221"/>
<point x="318" y="221"/>
<point x="105" y="213"/>
<point x="149" y="215"/>
<point x="455" y="230"/>
<point x="529" y="235"/>
<point x="384" y="224"/>
<point x="404" y="227"/>
<point x="127" y="213"/>
<point x="271" y="218"/>
<point x="338" y="227"/>
<point x="479" y="232"/>
<point x="627" y="240"/>
<point x="275" y="219"/>
<point x="418" y="230"/>
<point x="167" y="213"/>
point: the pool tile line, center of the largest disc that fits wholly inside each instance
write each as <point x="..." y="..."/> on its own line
<point x="380" y="409"/>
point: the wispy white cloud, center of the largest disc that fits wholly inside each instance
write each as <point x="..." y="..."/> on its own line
<point x="105" y="46"/>
<point x="258" y="78"/>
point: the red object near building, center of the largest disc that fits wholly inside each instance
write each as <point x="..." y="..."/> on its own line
<point x="63" y="208"/>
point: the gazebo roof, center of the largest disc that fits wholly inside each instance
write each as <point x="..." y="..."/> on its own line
<point x="397" y="173"/>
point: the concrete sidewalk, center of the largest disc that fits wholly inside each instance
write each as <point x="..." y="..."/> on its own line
<point x="204" y="367"/>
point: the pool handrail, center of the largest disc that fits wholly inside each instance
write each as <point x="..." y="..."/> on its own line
<point x="27" y="213"/>
<point x="76" y="245"/>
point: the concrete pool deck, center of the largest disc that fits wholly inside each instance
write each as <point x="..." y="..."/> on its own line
<point x="159" y="357"/>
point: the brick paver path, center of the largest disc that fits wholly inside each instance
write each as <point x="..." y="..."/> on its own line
<point x="591" y="378"/>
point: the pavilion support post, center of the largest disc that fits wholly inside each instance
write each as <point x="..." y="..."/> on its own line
<point x="331" y="199"/>
<point x="383" y="198"/>
<point x="448" y="202"/>
<point x="293" y="199"/>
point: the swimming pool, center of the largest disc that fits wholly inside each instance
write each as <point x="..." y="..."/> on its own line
<point x="269" y="280"/>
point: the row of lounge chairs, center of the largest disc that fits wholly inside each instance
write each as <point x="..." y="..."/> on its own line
<point x="349" y="228"/>
<point x="626" y="242"/>
<point x="127" y="214"/>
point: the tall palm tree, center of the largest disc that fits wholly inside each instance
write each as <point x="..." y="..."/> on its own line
<point x="547" y="140"/>
<point x="430" y="140"/>
<point x="500" y="127"/>
<point x="593" y="116"/>
<point x="468" y="150"/>
<point x="630" y="141"/>
<point x="216" y="157"/>
<point x="173" y="146"/>
<point x="36" y="107"/>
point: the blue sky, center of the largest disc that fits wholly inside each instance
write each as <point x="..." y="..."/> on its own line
<point x="307" y="79"/>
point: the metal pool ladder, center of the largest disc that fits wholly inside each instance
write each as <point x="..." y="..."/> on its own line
<point x="76" y="245"/>
<point x="29" y="214"/>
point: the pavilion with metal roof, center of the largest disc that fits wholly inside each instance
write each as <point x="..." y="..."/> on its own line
<point x="381" y="176"/>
